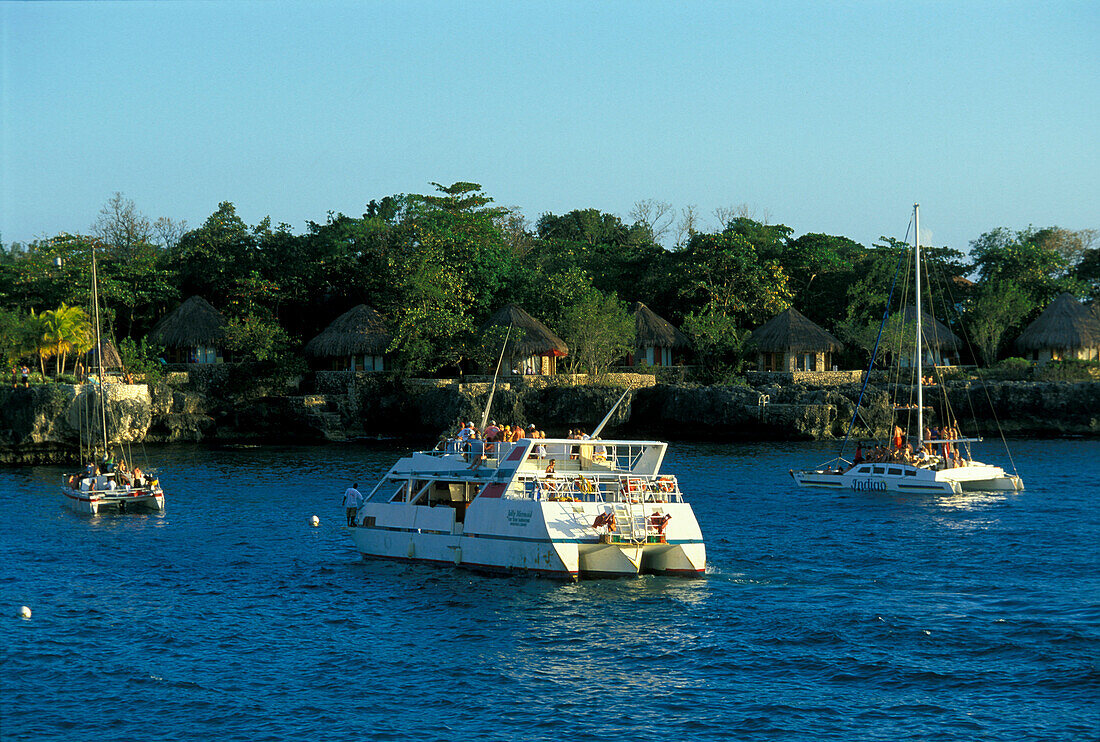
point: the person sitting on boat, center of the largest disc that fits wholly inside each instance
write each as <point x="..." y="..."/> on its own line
<point x="550" y="467"/>
<point x="108" y="464"/>
<point x="353" y="499"/>
<point x="476" y="447"/>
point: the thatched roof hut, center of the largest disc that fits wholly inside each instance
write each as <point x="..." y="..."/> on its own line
<point x="936" y="334"/>
<point x="791" y="331"/>
<point x="111" y="358"/>
<point x="358" y="331"/>
<point x="529" y="336"/>
<point x="195" y="323"/>
<point x="529" y="341"/>
<point x="1065" y="325"/>
<point x="652" y="330"/>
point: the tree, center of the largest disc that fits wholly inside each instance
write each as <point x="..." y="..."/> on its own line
<point x="598" y="330"/>
<point x="65" y="330"/>
<point x="656" y="216"/>
<point x="121" y="225"/>
<point x="1028" y="258"/>
<point x="719" y="345"/>
<point x="724" y="274"/>
<point x="209" y="259"/>
<point x="996" y="308"/>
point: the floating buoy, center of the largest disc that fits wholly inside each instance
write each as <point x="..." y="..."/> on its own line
<point x="315" y="521"/>
<point x="25" y="612"/>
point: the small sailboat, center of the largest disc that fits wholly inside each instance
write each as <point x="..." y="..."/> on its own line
<point x="917" y="460"/>
<point x="104" y="484"/>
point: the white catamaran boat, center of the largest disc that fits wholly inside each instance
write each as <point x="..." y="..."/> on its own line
<point x="939" y="465"/>
<point x="102" y="485"/>
<point x="561" y="508"/>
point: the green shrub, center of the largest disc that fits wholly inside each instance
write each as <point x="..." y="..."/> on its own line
<point x="1070" y="369"/>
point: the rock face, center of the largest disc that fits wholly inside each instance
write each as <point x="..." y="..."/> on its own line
<point x="45" y="423"/>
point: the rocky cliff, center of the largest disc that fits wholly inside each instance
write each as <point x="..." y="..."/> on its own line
<point x="45" y="423"/>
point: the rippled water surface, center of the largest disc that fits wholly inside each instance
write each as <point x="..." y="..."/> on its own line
<point x="823" y="615"/>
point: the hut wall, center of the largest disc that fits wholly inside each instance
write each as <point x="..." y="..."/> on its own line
<point x="364" y="363"/>
<point x="789" y="363"/>
<point x="199" y="355"/>
<point x="1046" y="355"/>
<point x="651" y="355"/>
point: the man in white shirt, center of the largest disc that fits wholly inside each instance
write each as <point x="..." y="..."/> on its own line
<point x="352" y="501"/>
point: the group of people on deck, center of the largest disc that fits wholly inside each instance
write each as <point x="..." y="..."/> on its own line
<point x="122" y="474"/>
<point x="937" y="441"/>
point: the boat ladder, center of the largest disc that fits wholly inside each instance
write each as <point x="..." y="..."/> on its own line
<point x="630" y="522"/>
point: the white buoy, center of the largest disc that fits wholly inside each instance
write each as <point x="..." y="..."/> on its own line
<point x="25" y="612"/>
<point x="315" y="521"/>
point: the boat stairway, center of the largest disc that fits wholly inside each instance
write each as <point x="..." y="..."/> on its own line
<point x="630" y="523"/>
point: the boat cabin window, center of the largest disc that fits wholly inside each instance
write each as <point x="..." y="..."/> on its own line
<point x="895" y="472"/>
<point x="910" y="472"/>
<point x="864" y="469"/>
<point x="879" y="470"/>
<point x="387" y="491"/>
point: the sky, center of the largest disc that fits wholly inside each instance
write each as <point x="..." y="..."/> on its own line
<point x="830" y="117"/>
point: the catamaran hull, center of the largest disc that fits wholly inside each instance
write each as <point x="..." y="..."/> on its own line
<point x="913" y="480"/>
<point x="94" y="503"/>
<point x="551" y="539"/>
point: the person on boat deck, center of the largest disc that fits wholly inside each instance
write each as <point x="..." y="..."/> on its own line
<point x="491" y="431"/>
<point x="353" y="499"/>
<point x="899" y="437"/>
<point x="858" y="458"/>
<point x="139" y="477"/>
<point x="550" y="467"/>
<point x="467" y="430"/>
<point x="108" y="465"/>
<point x="477" y="451"/>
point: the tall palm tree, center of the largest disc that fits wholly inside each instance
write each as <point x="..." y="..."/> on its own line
<point x="66" y="329"/>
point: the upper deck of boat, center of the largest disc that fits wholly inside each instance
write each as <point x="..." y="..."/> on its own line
<point x="590" y="457"/>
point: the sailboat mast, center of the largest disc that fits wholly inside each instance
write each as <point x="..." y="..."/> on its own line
<point x="101" y="392"/>
<point x="920" y="366"/>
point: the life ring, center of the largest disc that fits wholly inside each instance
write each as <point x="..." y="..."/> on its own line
<point x="666" y="484"/>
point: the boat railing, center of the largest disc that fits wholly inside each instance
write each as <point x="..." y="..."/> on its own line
<point x="613" y="456"/>
<point x="587" y="487"/>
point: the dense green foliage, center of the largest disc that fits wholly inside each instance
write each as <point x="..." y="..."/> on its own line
<point x="437" y="265"/>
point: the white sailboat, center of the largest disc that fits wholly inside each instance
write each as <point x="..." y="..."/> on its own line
<point x="103" y="485"/>
<point x="938" y="465"/>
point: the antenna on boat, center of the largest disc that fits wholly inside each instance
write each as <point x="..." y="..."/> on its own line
<point x="610" y="412"/>
<point x="493" y="389"/>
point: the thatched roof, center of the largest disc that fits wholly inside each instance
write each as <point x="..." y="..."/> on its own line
<point x="653" y="330"/>
<point x="193" y="323"/>
<point x="792" y="332"/>
<point x="936" y="334"/>
<point x="1066" y="323"/>
<point x="360" y="330"/>
<point x="111" y="358"/>
<point x="529" y="336"/>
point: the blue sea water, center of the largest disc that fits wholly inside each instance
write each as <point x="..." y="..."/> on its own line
<point x="823" y="615"/>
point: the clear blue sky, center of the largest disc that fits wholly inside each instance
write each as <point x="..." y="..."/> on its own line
<point x="826" y="117"/>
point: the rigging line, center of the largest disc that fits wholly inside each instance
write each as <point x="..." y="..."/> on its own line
<point x="874" y="354"/>
<point x="984" y="386"/>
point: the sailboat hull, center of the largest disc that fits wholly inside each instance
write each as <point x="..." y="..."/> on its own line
<point x="975" y="477"/>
